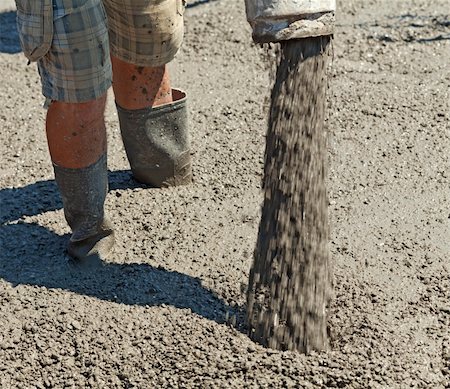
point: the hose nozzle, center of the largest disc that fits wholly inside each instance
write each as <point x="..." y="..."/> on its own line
<point x="280" y="20"/>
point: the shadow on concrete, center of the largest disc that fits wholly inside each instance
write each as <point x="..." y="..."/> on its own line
<point x="31" y="254"/>
<point x="43" y="196"/>
<point x="9" y="37"/>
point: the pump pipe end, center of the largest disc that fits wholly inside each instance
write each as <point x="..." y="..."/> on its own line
<point x="266" y="30"/>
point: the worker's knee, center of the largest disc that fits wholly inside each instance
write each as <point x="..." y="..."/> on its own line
<point x="76" y="132"/>
<point x="87" y="112"/>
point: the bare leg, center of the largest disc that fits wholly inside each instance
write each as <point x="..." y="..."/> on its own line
<point x="137" y="87"/>
<point x="76" y="138"/>
<point x="76" y="132"/>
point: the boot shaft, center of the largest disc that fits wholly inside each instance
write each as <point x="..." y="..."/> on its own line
<point x="83" y="193"/>
<point x="157" y="142"/>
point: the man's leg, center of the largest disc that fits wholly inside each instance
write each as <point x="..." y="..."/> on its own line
<point x="76" y="138"/>
<point x="76" y="133"/>
<point x="152" y="115"/>
<point x="76" y="73"/>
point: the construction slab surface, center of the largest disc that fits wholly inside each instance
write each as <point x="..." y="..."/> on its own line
<point x="167" y="310"/>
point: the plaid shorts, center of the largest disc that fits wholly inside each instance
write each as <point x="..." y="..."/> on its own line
<point x="71" y="40"/>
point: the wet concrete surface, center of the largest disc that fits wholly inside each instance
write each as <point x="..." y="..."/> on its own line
<point x="167" y="309"/>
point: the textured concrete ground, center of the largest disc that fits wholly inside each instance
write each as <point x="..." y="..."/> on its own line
<point x="166" y="311"/>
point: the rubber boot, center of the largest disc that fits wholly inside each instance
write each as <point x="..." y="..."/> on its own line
<point x="83" y="194"/>
<point x="157" y="144"/>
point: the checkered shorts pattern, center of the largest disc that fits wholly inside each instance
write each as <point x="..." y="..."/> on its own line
<point x="145" y="32"/>
<point x="69" y="40"/>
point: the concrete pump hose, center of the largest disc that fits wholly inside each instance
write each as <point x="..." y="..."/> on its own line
<point x="280" y="20"/>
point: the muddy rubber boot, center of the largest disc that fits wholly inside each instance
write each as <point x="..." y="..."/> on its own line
<point x="83" y="193"/>
<point x="157" y="144"/>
